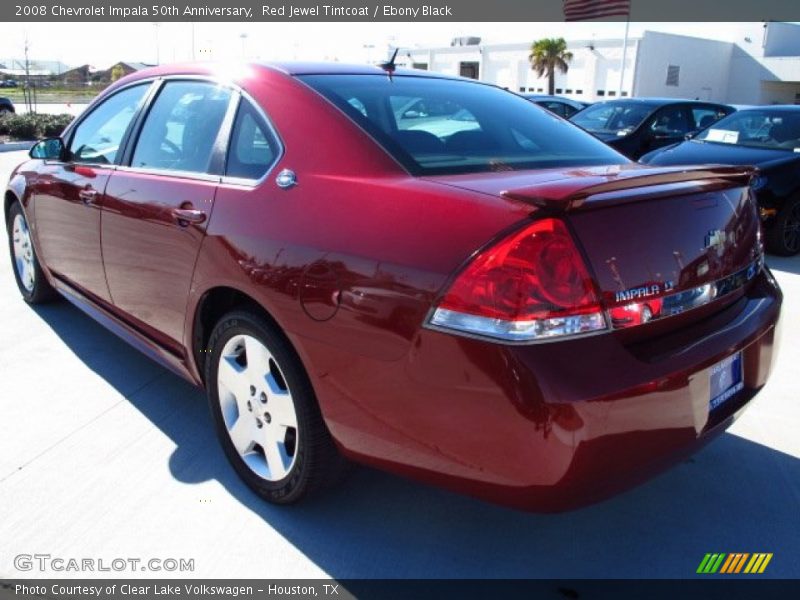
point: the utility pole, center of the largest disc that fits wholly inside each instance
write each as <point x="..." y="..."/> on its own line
<point x="624" y="58"/>
<point x="26" y="90"/>
<point x="158" y="50"/>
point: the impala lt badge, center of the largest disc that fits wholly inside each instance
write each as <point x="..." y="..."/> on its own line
<point x="645" y="291"/>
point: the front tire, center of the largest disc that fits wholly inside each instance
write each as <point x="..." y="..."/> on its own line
<point x="265" y="412"/>
<point x="783" y="235"/>
<point x="30" y="278"/>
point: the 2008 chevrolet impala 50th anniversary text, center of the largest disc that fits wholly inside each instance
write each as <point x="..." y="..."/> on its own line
<point x="426" y="274"/>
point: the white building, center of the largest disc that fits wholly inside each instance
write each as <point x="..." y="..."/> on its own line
<point x="760" y="66"/>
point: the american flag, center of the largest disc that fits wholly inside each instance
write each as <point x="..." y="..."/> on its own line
<point x="579" y="10"/>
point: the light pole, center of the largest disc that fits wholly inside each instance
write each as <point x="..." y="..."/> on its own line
<point x="158" y="50"/>
<point x="369" y="48"/>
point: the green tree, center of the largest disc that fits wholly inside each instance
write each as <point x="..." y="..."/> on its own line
<point x="117" y="72"/>
<point x="546" y="56"/>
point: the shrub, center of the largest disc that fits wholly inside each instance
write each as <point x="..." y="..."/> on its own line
<point x="55" y="124"/>
<point x="33" y="125"/>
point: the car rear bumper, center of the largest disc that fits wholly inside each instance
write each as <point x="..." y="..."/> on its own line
<point x="554" y="426"/>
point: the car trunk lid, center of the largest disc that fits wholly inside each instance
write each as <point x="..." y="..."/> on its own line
<point x="660" y="241"/>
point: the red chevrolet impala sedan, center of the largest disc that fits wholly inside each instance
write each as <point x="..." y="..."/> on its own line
<point x="426" y="274"/>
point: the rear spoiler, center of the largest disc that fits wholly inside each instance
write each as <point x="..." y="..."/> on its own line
<point x="628" y="187"/>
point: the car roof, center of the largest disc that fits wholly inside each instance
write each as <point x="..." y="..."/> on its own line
<point x="335" y="68"/>
<point x="240" y="71"/>
<point x="776" y="107"/>
<point x="660" y="101"/>
<point x="543" y="97"/>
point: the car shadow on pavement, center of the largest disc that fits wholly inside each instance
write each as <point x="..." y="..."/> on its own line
<point x="734" y="496"/>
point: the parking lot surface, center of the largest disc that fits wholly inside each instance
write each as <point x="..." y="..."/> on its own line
<point x="104" y="454"/>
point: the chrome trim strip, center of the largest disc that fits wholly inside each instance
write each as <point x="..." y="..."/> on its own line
<point x="631" y="314"/>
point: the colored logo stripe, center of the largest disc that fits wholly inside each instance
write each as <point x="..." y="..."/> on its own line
<point x="710" y="563"/>
<point x="734" y="562"/>
<point x="758" y="563"/>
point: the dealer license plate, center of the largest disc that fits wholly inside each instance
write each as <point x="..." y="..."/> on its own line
<point x="726" y="380"/>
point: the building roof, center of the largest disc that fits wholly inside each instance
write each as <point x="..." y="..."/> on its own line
<point x="136" y="66"/>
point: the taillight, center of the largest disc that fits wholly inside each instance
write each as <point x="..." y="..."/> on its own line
<point x="532" y="285"/>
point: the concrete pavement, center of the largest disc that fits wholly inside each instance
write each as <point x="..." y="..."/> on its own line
<point x="104" y="454"/>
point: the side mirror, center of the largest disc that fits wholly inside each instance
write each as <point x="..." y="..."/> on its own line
<point x="48" y="149"/>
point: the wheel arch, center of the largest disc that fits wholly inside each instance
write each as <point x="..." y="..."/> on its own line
<point x="210" y="308"/>
<point x="10" y="198"/>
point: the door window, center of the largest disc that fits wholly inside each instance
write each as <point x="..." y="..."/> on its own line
<point x="98" y="137"/>
<point x="182" y="126"/>
<point x="672" y="121"/>
<point x="253" y="148"/>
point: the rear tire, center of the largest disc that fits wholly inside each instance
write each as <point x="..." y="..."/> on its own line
<point x="265" y="412"/>
<point x="28" y="274"/>
<point x="783" y="235"/>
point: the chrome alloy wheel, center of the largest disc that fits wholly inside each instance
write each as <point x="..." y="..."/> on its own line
<point x="257" y="408"/>
<point x="23" y="253"/>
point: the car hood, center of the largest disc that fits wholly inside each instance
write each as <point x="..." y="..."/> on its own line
<point x="695" y="152"/>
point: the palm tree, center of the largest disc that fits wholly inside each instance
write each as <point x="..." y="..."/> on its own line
<point x="546" y="56"/>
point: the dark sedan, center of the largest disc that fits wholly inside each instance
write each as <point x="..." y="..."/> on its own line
<point x="767" y="137"/>
<point x="6" y="106"/>
<point x="638" y="125"/>
<point x="563" y="107"/>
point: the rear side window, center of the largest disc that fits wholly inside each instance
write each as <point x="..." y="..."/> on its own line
<point x="182" y="126"/>
<point x="705" y="116"/>
<point x="97" y="138"/>
<point x="440" y="126"/>
<point x="559" y="108"/>
<point x="253" y="149"/>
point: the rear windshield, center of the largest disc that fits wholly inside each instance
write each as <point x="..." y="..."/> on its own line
<point x="440" y="126"/>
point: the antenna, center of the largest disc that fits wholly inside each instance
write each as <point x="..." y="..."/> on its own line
<point x="389" y="65"/>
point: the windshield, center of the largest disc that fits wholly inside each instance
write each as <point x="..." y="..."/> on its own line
<point x="768" y="128"/>
<point x="619" y="118"/>
<point x="441" y="126"/>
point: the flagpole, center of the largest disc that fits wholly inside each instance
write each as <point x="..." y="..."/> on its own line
<point x="624" y="55"/>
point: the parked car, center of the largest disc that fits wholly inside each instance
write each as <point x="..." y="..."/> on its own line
<point x="6" y="106"/>
<point x="9" y="83"/>
<point x="636" y="126"/>
<point x="563" y="107"/>
<point x="437" y="305"/>
<point x="767" y="137"/>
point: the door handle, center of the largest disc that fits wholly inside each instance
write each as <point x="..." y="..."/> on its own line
<point x="87" y="195"/>
<point x="184" y="216"/>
